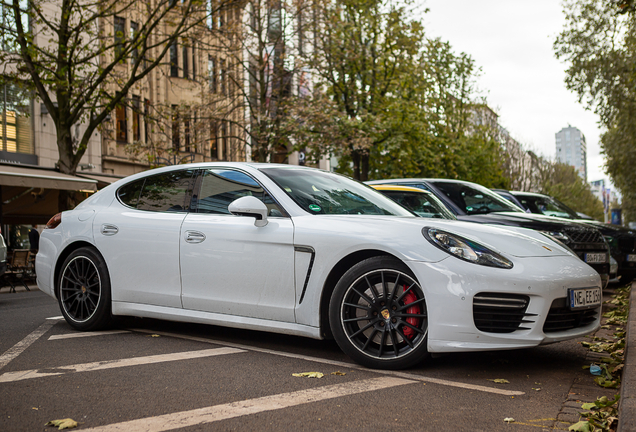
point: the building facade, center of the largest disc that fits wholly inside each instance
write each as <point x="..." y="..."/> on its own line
<point x="571" y="149"/>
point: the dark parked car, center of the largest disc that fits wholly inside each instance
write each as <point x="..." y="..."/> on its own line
<point x="474" y="203"/>
<point x="621" y="240"/>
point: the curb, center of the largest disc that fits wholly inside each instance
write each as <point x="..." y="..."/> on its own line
<point x="627" y="407"/>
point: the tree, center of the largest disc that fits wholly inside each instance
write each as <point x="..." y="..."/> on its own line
<point x="599" y="46"/>
<point x="81" y="62"/>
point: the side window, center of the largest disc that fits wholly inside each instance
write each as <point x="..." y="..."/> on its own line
<point x="219" y="187"/>
<point x="166" y="192"/>
<point x="129" y="194"/>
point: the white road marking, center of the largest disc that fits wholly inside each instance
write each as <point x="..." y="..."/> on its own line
<point x="343" y="364"/>
<point x="56" y="318"/>
<point x="18" y="348"/>
<point x="111" y="364"/>
<point x="251" y="406"/>
<point x="86" y="334"/>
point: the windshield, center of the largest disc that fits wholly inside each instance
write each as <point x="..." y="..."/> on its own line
<point x="547" y="206"/>
<point x="474" y="199"/>
<point x="321" y="192"/>
<point x="421" y="203"/>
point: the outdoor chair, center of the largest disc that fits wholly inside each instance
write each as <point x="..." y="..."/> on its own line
<point x="19" y="269"/>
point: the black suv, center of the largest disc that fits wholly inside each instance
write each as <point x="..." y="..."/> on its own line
<point x="621" y="240"/>
<point x="474" y="203"/>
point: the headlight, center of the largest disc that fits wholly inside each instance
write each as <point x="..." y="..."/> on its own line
<point x="465" y="249"/>
<point x="558" y="235"/>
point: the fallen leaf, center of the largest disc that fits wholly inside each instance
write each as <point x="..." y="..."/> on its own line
<point x="155" y="335"/>
<point x="500" y="381"/>
<point x="338" y="373"/>
<point x="35" y="408"/>
<point x="537" y="389"/>
<point x="509" y="420"/>
<point x="309" y="374"/>
<point x="66" y="423"/>
<point x="582" y="426"/>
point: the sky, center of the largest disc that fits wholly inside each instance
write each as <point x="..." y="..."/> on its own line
<point x="512" y="42"/>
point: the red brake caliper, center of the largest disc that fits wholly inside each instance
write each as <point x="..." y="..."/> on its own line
<point x="410" y="298"/>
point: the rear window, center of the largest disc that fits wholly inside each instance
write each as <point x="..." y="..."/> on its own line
<point x="166" y="192"/>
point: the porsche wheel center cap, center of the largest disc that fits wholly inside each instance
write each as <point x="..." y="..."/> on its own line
<point x="385" y="314"/>
<point x="84" y="289"/>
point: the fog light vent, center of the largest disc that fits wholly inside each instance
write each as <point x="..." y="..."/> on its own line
<point x="501" y="313"/>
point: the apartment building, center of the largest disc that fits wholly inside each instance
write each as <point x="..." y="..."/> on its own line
<point x="571" y="149"/>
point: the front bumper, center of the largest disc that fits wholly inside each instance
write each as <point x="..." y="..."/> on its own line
<point x="451" y="285"/>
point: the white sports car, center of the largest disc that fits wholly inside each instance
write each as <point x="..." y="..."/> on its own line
<point x="306" y="252"/>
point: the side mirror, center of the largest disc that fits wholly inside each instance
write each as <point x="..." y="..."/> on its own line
<point x="250" y="206"/>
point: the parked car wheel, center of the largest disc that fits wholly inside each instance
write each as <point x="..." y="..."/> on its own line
<point x="378" y="314"/>
<point x="84" y="290"/>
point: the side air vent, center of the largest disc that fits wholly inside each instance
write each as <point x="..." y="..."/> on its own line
<point x="561" y="318"/>
<point x="501" y="313"/>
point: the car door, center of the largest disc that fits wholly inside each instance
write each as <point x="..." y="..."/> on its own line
<point x="138" y="235"/>
<point x="229" y="265"/>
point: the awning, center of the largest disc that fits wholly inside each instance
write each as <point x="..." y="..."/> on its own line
<point x="103" y="180"/>
<point x="13" y="175"/>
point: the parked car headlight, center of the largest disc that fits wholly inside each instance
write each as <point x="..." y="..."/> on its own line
<point x="465" y="249"/>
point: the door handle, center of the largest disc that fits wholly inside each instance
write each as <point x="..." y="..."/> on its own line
<point x="194" y="237"/>
<point x="109" y="230"/>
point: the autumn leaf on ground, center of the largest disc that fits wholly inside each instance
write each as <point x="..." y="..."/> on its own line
<point x="66" y="423"/>
<point x="509" y="420"/>
<point x="309" y="374"/>
<point x="338" y="373"/>
<point x="500" y="381"/>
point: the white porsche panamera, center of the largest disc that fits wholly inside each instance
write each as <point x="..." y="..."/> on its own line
<point x="306" y="252"/>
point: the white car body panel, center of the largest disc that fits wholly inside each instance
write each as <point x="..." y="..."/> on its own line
<point x="273" y="277"/>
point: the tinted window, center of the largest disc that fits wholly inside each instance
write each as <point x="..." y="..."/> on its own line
<point x="475" y="199"/>
<point x="320" y="192"/>
<point x="219" y="187"/>
<point x="546" y="206"/>
<point x="166" y="192"/>
<point x="129" y="194"/>
<point x="422" y="204"/>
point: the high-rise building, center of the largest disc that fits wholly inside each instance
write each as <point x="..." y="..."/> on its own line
<point x="571" y="149"/>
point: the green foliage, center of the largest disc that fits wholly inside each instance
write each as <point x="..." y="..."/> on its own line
<point x="599" y="46"/>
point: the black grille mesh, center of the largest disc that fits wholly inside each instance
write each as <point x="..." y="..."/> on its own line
<point x="582" y="235"/>
<point x="561" y="318"/>
<point x="501" y="313"/>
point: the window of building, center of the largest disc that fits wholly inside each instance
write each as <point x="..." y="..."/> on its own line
<point x="119" y="35"/>
<point x="210" y="13"/>
<point x="186" y="135"/>
<point x="186" y="63"/>
<point x="194" y="62"/>
<point x="136" y="123"/>
<point x="8" y="25"/>
<point x="146" y="120"/>
<point x="212" y="73"/>
<point x="134" y="31"/>
<point x="121" y="127"/>
<point x="15" y="131"/>
<point x="176" y="138"/>
<point x="214" y="145"/>
<point x="223" y="78"/>
<point x="219" y="187"/>
<point x="174" y="60"/>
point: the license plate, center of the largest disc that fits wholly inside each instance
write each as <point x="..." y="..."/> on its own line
<point x="631" y="258"/>
<point x="584" y="298"/>
<point x="596" y="258"/>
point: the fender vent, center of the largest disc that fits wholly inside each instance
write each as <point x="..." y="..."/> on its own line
<point x="561" y="318"/>
<point x="501" y="313"/>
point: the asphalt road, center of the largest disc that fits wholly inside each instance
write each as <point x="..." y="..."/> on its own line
<point x="158" y="375"/>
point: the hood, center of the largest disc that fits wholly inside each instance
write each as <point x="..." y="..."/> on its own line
<point x="517" y="242"/>
<point x="526" y="220"/>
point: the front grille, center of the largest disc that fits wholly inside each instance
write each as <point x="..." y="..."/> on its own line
<point x="501" y="313"/>
<point x="626" y="244"/>
<point x="582" y="235"/>
<point x="561" y="318"/>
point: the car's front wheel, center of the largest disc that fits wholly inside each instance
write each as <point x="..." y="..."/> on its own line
<point x="84" y="290"/>
<point x="378" y="315"/>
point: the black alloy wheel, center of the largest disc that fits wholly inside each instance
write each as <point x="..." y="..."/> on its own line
<point x="378" y="315"/>
<point x="84" y="290"/>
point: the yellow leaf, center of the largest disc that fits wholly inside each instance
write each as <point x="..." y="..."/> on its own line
<point x="500" y="381"/>
<point x="66" y="423"/>
<point x="309" y="374"/>
<point x="338" y="373"/>
<point x="155" y="335"/>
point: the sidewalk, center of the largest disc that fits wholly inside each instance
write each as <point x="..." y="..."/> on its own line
<point x="627" y="410"/>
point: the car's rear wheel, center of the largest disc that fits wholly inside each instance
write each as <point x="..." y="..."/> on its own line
<point x="378" y="315"/>
<point x="84" y="290"/>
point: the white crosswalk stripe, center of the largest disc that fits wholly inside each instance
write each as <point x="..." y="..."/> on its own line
<point x="251" y="406"/>
<point x="111" y="364"/>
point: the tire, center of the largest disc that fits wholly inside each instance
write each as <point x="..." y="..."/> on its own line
<point x="378" y="315"/>
<point x="84" y="290"/>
